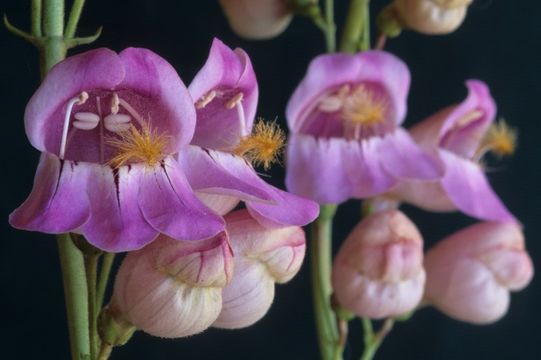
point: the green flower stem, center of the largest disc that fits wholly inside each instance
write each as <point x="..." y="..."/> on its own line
<point x="75" y="15"/>
<point x="76" y="296"/>
<point x="91" y="267"/>
<point x="54" y="48"/>
<point x="106" y="265"/>
<point x="372" y="341"/>
<point x="36" y="18"/>
<point x="356" y="23"/>
<point x="321" y="260"/>
<point x="330" y="33"/>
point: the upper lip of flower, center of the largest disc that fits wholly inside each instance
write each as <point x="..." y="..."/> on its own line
<point x="98" y="94"/>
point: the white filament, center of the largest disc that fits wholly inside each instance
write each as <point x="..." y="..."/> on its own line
<point x="132" y="111"/>
<point x="79" y="100"/>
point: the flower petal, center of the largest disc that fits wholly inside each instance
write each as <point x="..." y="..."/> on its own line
<point x="231" y="73"/>
<point x="230" y="176"/>
<point x="333" y="170"/>
<point x="216" y="172"/>
<point x="44" y="114"/>
<point x="444" y="129"/>
<point x="467" y="186"/>
<point x="152" y="76"/>
<point x="403" y="159"/>
<point x="58" y="202"/>
<point x="286" y="209"/>
<point x="116" y="223"/>
<point x="328" y="72"/>
<point x="170" y="206"/>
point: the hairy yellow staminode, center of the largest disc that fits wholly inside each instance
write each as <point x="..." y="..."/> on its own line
<point x="133" y="145"/>
<point x="364" y="108"/>
<point x="263" y="146"/>
<point x="500" y="139"/>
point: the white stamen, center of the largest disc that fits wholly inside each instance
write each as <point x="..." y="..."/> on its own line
<point x="206" y="99"/>
<point x="330" y="104"/>
<point x="231" y="103"/>
<point x="117" y="122"/>
<point x="86" y="120"/>
<point x="132" y="112"/>
<point x="79" y="100"/>
<point x="468" y="118"/>
<point x="102" y="143"/>
<point x="115" y="104"/>
<point x="242" y="120"/>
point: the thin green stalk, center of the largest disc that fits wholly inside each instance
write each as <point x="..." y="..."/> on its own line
<point x="36" y="17"/>
<point x="53" y="22"/>
<point x="356" y="22"/>
<point x="106" y="265"/>
<point x="321" y="260"/>
<point x="91" y="267"/>
<point x="372" y="341"/>
<point x="330" y="33"/>
<point x="75" y="15"/>
<point x="76" y="296"/>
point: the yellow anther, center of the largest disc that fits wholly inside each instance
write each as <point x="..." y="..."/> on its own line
<point x="363" y="108"/>
<point x="499" y="139"/>
<point x="135" y="146"/>
<point x="263" y="146"/>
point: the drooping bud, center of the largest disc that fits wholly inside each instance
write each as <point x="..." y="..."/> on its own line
<point x="470" y="273"/>
<point x="257" y="19"/>
<point x="431" y="17"/>
<point x="173" y="288"/>
<point x="378" y="271"/>
<point x="263" y="257"/>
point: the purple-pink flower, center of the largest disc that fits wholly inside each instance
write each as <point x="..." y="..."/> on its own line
<point x="117" y="166"/>
<point x="346" y="137"/>
<point x="108" y="126"/>
<point x="225" y="93"/>
<point x="457" y="136"/>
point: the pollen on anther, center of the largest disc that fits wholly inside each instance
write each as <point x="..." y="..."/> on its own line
<point x="500" y="139"/>
<point x="263" y="146"/>
<point x="363" y="108"/>
<point x="138" y="146"/>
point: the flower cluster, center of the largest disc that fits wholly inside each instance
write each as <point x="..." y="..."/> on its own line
<point x="135" y="161"/>
<point x="347" y="142"/>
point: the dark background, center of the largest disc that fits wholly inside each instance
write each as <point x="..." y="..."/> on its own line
<point x="499" y="43"/>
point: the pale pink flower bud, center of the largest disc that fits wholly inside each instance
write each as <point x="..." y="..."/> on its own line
<point x="378" y="272"/>
<point x="263" y="256"/>
<point x="470" y="273"/>
<point x="173" y="288"/>
<point x="431" y="16"/>
<point x="257" y="19"/>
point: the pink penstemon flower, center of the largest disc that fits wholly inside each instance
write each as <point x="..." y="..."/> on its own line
<point x="459" y="136"/>
<point x="109" y="126"/>
<point x="263" y="256"/>
<point x="346" y="140"/>
<point x="218" y="161"/>
<point x="378" y="271"/>
<point x="471" y="272"/>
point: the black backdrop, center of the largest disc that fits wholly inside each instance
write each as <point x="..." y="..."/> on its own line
<point x="498" y="43"/>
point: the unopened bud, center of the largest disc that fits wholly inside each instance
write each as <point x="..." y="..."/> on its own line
<point x="470" y="273"/>
<point x="263" y="256"/>
<point x="378" y="271"/>
<point x="257" y="19"/>
<point x="431" y="16"/>
<point x="173" y="288"/>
